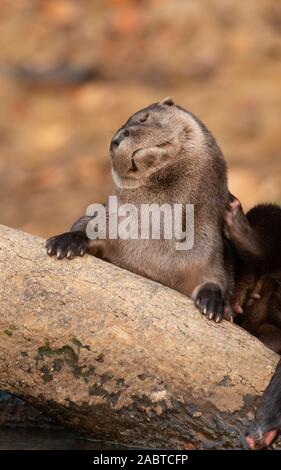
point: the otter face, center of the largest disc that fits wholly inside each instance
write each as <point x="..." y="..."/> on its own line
<point x="152" y="138"/>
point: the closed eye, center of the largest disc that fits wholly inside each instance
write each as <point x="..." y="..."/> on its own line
<point x="163" y="145"/>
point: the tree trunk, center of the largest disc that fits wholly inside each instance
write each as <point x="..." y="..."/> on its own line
<point x="119" y="357"/>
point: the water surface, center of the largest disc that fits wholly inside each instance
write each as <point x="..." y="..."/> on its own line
<point x="52" y="439"/>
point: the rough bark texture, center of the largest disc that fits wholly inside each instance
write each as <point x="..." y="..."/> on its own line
<point x="121" y="358"/>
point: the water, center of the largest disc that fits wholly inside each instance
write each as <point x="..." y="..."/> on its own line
<point x="50" y="439"/>
<point x="23" y="426"/>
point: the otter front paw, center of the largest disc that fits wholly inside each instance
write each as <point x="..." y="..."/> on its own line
<point x="69" y="245"/>
<point x="258" y="438"/>
<point x="210" y="302"/>
<point x="233" y="218"/>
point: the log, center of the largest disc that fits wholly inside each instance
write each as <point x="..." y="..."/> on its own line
<point x="119" y="357"/>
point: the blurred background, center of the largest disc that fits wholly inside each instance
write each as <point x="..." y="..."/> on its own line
<point x="71" y="72"/>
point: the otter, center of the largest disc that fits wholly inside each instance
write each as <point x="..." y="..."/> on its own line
<point x="257" y="294"/>
<point x="267" y="423"/>
<point x="165" y="155"/>
<point x="257" y="299"/>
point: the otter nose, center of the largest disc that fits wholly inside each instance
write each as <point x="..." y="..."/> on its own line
<point x="116" y="141"/>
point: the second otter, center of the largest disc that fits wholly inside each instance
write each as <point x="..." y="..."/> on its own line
<point x="257" y="298"/>
<point x="257" y="294"/>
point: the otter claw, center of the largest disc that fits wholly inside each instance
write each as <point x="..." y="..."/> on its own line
<point x="67" y="245"/>
<point x="210" y="302"/>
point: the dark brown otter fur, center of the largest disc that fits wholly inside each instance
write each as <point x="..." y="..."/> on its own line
<point x="257" y="295"/>
<point x="257" y="298"/>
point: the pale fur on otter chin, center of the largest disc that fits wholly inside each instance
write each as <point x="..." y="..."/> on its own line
<point x="125" y="183"/>
<point x="130" y="183"/>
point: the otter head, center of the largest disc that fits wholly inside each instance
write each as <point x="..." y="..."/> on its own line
<point x="152" y="138"/>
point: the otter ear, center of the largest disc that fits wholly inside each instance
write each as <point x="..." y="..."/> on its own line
<point x="167" y="101"/>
